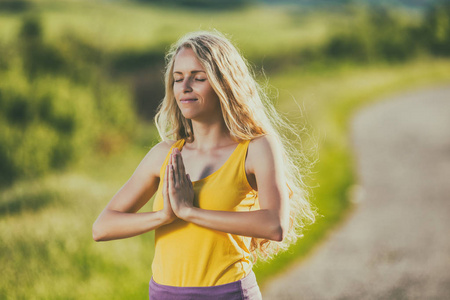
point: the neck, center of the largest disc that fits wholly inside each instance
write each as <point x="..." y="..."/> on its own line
<point x="210" y="135"/>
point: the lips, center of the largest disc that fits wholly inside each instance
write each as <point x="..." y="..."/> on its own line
<point x="188" y="100"/>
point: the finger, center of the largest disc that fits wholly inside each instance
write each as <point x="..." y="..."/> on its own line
<point x="180" y="175"/>
<point x="172" y="181"/>
<point x="175" y="166"/>
<point x="189" y="179"/>
<point x="166" y="198"/>
<point x="166" y="181"/>
<point x="181" y="165"/>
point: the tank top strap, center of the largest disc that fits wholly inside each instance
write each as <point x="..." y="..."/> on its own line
<point x="179" y="144"/>
<point x="242" y="153"/>
<point x="235" y="166"/>
<point x="242" y="162"/>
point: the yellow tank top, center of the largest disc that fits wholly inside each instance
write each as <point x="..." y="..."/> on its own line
<point x="190" y="255"/>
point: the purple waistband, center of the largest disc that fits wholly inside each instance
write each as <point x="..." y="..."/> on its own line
<point x="246" y="288"/>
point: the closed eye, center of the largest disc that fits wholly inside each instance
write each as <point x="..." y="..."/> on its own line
<point x="197" y="79"/>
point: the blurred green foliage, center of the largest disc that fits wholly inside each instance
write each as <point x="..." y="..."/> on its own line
<point x="81" y="97"/>
<point x="204" y="4"/>
<point x="56" y="105"/>
<point x="14" y="5"/>
<point x="380" y="35"/>
<point x="376" y="33"/>
<point x="435" y="32"/>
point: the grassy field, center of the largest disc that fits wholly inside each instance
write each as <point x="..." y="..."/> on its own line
<point x="328" y="100"/>
<point x="46" y="247"/>
<point x="143" y="26"/>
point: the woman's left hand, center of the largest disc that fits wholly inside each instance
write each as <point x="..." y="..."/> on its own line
<point x="181" y="190"/>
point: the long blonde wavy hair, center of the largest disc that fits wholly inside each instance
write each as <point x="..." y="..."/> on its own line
<point x="247" y="112"/>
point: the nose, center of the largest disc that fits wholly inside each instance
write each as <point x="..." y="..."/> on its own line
<point x="187" y="86"/>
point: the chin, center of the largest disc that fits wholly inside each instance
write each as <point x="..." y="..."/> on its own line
<point x="188" y="115"/>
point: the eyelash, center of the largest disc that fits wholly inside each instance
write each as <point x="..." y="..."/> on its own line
<point x="195" y="79"/>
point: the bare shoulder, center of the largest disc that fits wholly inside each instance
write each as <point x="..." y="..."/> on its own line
<point x="162" y="146"/>
<point x="261" y="150"/>
<point x="155" y="157"/>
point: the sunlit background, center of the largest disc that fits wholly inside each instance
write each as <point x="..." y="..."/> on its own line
<point x="80" y="82"/>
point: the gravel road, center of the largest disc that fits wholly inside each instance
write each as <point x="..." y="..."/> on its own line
<point x="396" y="243"/>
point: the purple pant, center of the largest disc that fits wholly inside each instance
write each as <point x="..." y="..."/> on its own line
<point x="244" y="289"/>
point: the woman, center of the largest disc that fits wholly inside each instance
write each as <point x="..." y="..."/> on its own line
<point x="226" y="187"/>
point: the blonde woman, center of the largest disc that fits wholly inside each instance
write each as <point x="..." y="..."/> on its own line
<point x="226" y="187"/>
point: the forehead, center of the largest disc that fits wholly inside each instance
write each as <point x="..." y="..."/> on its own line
<point x="186" y="60"/>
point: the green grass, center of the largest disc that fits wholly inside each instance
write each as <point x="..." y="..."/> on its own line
<point x="45" y="223"/>
<point x="273" y="29"/>
<point x="329" y="100"/>
<point x="48" y="248"/>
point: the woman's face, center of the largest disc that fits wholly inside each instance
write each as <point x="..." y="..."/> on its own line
<point x="194" y="94"/>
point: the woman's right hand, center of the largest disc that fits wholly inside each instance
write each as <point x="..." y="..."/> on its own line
<point x="167" y="208"/>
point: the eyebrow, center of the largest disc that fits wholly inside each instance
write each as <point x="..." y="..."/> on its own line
<point x="192" y="72"/>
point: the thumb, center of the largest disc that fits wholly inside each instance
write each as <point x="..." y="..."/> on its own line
<point x="189" y="179"/>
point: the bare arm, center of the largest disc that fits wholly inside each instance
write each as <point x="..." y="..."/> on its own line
<point x="270" y="222"/>
<point x="120" y="219"/>
<point x="263" y="223"/>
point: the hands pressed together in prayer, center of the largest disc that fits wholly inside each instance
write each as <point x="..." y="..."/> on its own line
<point x="268" y="222"/>
<point x="178" y="191"/>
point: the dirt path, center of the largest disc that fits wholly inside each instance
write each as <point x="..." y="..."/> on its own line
<point x="396" y="245"/>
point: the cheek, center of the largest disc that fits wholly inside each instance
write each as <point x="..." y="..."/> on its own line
<point x="176" y="90"/>
<point x="215" y="100"/>
<point x="211" y="94"/>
